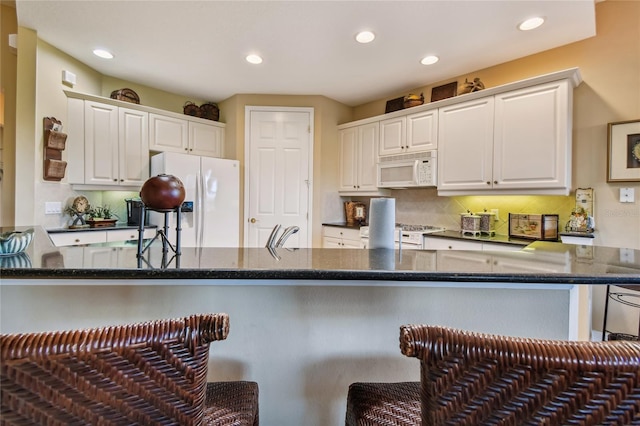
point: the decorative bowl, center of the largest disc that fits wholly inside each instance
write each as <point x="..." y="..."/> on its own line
<point x="14" y="242"/>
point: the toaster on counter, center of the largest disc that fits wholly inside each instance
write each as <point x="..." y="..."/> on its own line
<point x="533" y="226"/>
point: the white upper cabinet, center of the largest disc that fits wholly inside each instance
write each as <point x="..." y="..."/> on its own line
<point x="515" y="142"/>
<point x="510" y="139"/>
<point x="532" y="138"/>
<point x="393" y="135"/>
<point x="206" y="139"/>
<point x="422" y="131"/>
<point x="411" y="133"/>
<point x="168" y="133"/>
<point x="116" y="146"/>
<point x="173" y="134"/>
<point x="465" y="154"/>
<point x="109" y="140"/>
<point x="358" y="160"/>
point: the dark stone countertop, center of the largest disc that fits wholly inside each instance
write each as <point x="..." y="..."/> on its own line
<point x="539" y="262"/>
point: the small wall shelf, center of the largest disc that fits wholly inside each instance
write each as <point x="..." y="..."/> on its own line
<point x="54" y="143"/>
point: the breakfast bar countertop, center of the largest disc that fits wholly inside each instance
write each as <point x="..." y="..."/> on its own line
<point x="539" y="262"/>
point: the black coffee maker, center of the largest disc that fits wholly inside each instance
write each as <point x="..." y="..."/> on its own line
<point x="133" y="212"/>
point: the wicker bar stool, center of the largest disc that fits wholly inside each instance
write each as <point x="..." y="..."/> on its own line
<point x="152" y="373"/>
<point x="470" y="378"/>
<point x="383" y="404"/>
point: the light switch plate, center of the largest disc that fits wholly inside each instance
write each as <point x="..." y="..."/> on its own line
<point x="627" y="195"/>
<point x="52" y="207"/>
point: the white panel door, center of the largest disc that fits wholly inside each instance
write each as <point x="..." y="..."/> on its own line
<point x="278" y="170"/>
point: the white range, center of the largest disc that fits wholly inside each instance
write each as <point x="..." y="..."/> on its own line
<point x="408" y="237"/>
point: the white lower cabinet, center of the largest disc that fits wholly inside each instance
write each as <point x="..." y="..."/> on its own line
<point x="338" y="237"/>
<point x="77" y="238"/>
<point x="431" y="243"/>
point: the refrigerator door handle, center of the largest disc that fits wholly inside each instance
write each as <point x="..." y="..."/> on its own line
<point x="201" y="215"/>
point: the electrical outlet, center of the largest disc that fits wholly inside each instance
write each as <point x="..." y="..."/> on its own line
<point x="496" y="212"/>
<point x="52" y="207"/>
<point x="627" y="195"/>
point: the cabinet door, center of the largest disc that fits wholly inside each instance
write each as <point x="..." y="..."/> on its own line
<point x="432" y="243"/>
<point x="532" y="141"/>
<point x="78" y="238"/>
<point x="422" y="131"/>
<point x="393" y="136"/>
<point x="101" y="144"/>
<point x="206" y="139"/>
<point x="465" y="145"/>
<point x="331" y="242"/>
<point x="367" y="157"/>
<point x="168" y="134"/>
<point x="348" y="159"/>
<point x="133" y="146"/>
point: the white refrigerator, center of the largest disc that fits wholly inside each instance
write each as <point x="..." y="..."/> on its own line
<point x="212" y="189"/>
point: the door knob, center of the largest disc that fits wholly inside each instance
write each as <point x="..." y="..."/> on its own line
<point x="252" y="220"/>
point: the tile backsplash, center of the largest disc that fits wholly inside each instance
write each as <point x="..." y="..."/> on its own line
<point x="424" y="206"/>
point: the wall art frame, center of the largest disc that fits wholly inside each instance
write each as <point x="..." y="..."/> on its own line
<point x="623" y="151"/>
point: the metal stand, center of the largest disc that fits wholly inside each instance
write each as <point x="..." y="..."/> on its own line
<point x="624" y="298"/>
<point x="162" y="235"/>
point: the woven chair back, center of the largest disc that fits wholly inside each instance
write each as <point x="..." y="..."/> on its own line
<point x="152" y="373"/>
<point x="472" y="379"/>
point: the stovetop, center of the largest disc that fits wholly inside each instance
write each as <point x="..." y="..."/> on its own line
<point x="419" y="228"/>
<point x="411" y="234"/>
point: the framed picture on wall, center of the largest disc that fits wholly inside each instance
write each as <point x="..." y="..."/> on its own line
<point x="623" y="153"/>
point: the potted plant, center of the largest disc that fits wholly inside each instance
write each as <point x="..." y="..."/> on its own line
<point x="100" y="216"/>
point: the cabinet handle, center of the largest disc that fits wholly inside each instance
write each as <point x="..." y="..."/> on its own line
<point x="488" y="183"/>
<point x="121" y="180"/>
<point x="449" y="247"/>
<point x="495" y="182"/>
<point x="77" y="240"/>
<point x="186" y="149"/>
<point x="115" y="180"/>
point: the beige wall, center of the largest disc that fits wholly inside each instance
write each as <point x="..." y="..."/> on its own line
<point x="8" y="69"/>
<point x="610" y="67"/>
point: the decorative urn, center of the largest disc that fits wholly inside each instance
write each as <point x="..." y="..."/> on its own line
<point x="162" y="192"/>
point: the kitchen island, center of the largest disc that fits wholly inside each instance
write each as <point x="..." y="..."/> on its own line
<point x="306" y="323"/>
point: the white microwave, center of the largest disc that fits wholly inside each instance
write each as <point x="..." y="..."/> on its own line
<point x="408" y="170"/>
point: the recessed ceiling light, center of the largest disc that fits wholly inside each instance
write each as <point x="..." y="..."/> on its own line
<point x="531" y="23"/>
<point x="254" y="59"/>
<point x="365" y="37"/>
<point x="103" y="53"/>
<point x="429" y="60"/>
